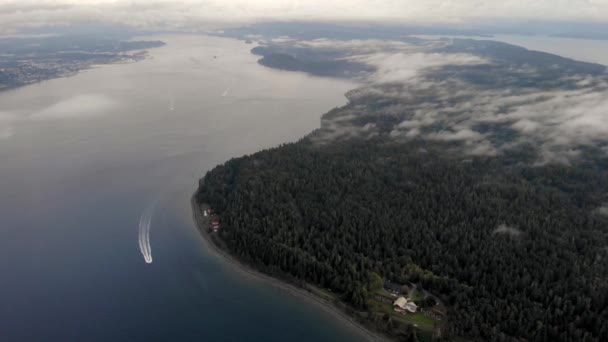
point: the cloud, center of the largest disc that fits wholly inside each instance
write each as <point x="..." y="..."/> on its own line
<point x="557" y="122"/>
<point x="80" y="106"/>
<point x="563" y="121"/>
<point x="342" y="127"/>
<point x="195" y="14"/>
<point x="526" y="125"/>
<point x="404" y="67"/>
<point x="363" y="46"/>
<point x="420" y="93"/>
<point x="475" y="143"/>
<point x="603" y="210"/>
<point x="462" y="135"/>
<point x="481" y="148"/>
<point x="506" y="230"/>
<point x="410" y="134"/>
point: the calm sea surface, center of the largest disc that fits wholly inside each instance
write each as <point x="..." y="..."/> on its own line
<point x="587" y="50"/>
<point x="83" y="158"/>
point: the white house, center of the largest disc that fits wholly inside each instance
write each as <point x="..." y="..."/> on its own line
<point x="400" y="303"/>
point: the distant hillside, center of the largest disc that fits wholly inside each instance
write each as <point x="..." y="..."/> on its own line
<point x="320" y="66"/>
<point x="516" y="55"/>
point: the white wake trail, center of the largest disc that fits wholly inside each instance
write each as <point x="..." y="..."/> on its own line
<point x="144" y="233"/>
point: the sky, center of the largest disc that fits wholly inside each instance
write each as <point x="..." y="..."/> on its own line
<point x="199" y="14"/>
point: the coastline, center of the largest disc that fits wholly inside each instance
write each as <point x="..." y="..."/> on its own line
<point x="128" y="57"/>
<point x="293" y="290"/>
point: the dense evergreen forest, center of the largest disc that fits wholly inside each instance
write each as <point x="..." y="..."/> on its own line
<point x="515" y="251"/>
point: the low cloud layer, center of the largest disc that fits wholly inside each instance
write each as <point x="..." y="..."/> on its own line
<point x="603" y="210"/>
<point x="485" y="106"/>
<point x="560" y="118"/>
<point x="558" y="122"/>
<point x="356" y="46"/>
<point x="403" y="67"/>
<point x="506" y="230"/>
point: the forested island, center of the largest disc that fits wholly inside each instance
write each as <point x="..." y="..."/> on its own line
<point x="483" y="184"/>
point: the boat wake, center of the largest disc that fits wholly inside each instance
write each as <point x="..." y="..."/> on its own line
<point x="144" y="233"/>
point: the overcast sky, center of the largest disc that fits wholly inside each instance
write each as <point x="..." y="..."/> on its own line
<point x="201" y="13"/>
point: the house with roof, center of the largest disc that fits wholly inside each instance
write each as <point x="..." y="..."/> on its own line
<point x="411" y="307"/>
<point x="402" y="305"/>
<point x="399" y="305"/>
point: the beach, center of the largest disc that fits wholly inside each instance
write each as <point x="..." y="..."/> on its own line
<point x="248" y="271"/>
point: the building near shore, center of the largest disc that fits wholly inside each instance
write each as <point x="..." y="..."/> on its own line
<point x="403" y="305"/>
<point x="400" y="303"/>
<point x="411" y="307"/>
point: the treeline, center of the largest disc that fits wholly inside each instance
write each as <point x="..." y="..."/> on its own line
<point x="515" y="251"/>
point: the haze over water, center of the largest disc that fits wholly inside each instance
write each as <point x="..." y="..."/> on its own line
<point x="82" y="158"/>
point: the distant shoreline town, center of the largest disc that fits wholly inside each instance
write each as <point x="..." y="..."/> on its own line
<point x="25" y="61"/>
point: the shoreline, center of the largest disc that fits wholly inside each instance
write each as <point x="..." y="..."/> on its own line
<point x="127" y="57"/>
<point x="293" y="290"/>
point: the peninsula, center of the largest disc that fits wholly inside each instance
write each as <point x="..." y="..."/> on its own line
<point x="440" y="209"/>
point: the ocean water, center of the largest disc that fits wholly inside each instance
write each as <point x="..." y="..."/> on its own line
<point x="85" y="161"/>
<point x="586" y="50"/>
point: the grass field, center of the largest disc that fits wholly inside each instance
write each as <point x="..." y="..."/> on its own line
<point x="420" y="319"/>
<point x="382" y="293"/>
<point x="425" y="324"/>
